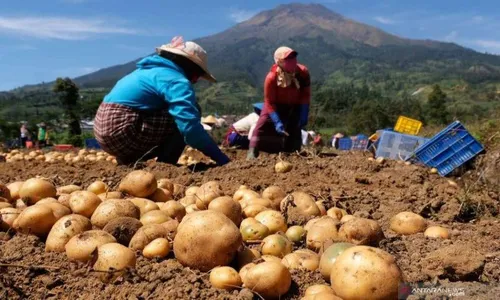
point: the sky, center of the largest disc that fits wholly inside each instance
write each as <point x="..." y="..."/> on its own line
<point x="41" y="40"/>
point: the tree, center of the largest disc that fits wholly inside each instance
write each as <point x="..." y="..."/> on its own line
<point x="68" y="94"/>
<point x="436" y="106"/>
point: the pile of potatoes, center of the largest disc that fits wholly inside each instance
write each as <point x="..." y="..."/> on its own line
<point x="82" y="155"/>
<point x="243" y="239"/>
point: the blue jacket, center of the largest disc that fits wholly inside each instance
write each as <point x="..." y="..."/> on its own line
<point x="158" y="83"/>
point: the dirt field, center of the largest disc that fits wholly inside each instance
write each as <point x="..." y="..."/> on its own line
<point x="469" y="260"/>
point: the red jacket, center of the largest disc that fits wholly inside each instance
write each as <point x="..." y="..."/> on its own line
<point x="290" y="95"/>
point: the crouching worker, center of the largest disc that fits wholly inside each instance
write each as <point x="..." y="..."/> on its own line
<point x="152" y="112"/>
<point x="287" y="93"/>
<point x="238" y="135"/>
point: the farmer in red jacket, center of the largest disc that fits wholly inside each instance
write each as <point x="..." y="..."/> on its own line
<point x="287" y="95"/>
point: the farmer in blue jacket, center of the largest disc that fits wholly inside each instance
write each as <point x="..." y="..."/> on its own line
<point x="152" y="112"/>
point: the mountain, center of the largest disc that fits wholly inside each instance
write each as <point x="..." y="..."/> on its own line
<point x="326" y="41"/>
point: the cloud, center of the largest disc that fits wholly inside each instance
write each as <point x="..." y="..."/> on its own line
<point x="60" y="27"/>
<point x="241" y="15"/>
<point x="452" y="36"/>
<point x="384" y="20"/>
<point x="491" y="45"/>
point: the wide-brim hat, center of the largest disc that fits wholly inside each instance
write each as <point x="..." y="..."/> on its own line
<point x="209" y="120"/>
<point x="191" y="51"/>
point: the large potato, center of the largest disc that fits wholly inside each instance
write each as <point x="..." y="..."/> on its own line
<point x="407" y="223"/>
<point x="254" y="232"/>
<point x="228" y="207"/>
<point x="301" y="259"/>
<point x="206" y="193"/>
<point x="329" y="257"/>
<point x="138" y="184"/>
<point x="274" y="220"/>
<point x="276" y="245"/>
<point x="36" y="219"/>
<point x="112" y="209"/>
<point x="144" y="205"/>
<point x="35" y="189"/>
<point x="363" y="272"/>
<point x="174" y="210"/>
<point x="155" y="217"/>
<point x="269" y="279"/>
<point x="81" y="246"/>
<point x="206" y="239"/>
<point x="275" y="194"/>
<point x="300" y="204"/>
<point x="64" y="229"/>
<point x="361" y="231"/>
<point x="296" y="234"/>
<point x="113" y="258"/>
<point x="225" y="278"/>
<point x="84" y="203"/>
<point x="123" y="229"/>
<point x="325" y="229"/>
<point x="7" y="217"/>
<point x="14" y="189"/>
<point x="148" y="233"/>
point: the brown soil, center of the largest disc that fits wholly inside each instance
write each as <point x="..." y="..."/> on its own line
<point x="470" y="259"/>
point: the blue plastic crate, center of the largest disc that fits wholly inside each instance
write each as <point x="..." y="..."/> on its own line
<point x="345" y="144"/>
<point x="92" y="144"/>
<point x="449" y="149"/>
<point x="360" y="142"/>
<point x="397" y="146"/>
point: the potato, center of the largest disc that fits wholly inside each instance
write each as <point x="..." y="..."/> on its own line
<point x="363" y="272"/>
<point x="346" y="218"/>
<point x="325" y="229"/>
<point x="318" y="289"/>
<point x="225" y="278"/>
<point x="157" y="248"/>
<point x="254" y="232"/>
<point x="123" y="229"/>
<point x="35" y="189"/>
<point x="68" y="189"/>
<point x="361" y="231"/>
<point x="165" y="183"/>
<point x="283" y="167"/>
<point x="84" y="203"/>
<point x="36" y="219"/>
<point x="6" y="204"/>
<point x="248" y="221"/>
<point x="47" y="200"/>
<point x="310" y="223"/>
<point x="64" y="229"/>
<point x="188" y="200"/>
<point x="301" y="204"/>
<point x="244" y="193"/>
<point x="20" y="204"/>
<point x="321" y="296"/>
<point x="110" y="195"/>
<point x="275" y="194"/>
<point x="154" y="217"/>
<point x="191" y="209"/>
<point x="64" y="199"/>
<point x="336" y="213"/>
<point x="206" y="239"/>
<point x="269" y="279"/>
<point x="276" y="245"/>
<point x="111" y="258"/>
<point x="146" y="234"/>
<point x="296" y="234"/>
<point x="407" y="223"/>
<point x="437" y="232"/>
<point x="253" y="210"/>
<point x="5" y="193"/>
<point x="246" y="256"/>
<point x="206" y="193"/>
<point x="58" y="209"/>
<point x="138" y="183"/>
<point x="161" y="195"/>
<point x="14" y="189"/>
<point x="273" y="220"/>
<point x="80" y="247"/>
<point x="7" y="217"/>
<point x="256" y="201"/>
<point x="329" y="257"/>
<point x="174" y="210"/>
<point x="228" y="207"/>
<point x="98" y="187"/>
<point x="144" y="205"/>
<point x="191" y="191"/>
<point x="112" y="209"/>
<point x="321" y="207"/>
<point x="301" y="259"/>
<point x="244" y="270"/>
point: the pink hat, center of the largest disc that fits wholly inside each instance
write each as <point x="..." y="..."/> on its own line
<point x="191" y="51"/>
<point x="282" y="53"/>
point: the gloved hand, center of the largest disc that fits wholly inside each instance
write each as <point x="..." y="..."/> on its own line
<point x="278" y="125"/>
<point x="303" y="115"/>
<point x="212" y="151"/>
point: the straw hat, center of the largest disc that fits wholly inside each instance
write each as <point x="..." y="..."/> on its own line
<point x="209" y="120"/>
<point x="191" y="51"/>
